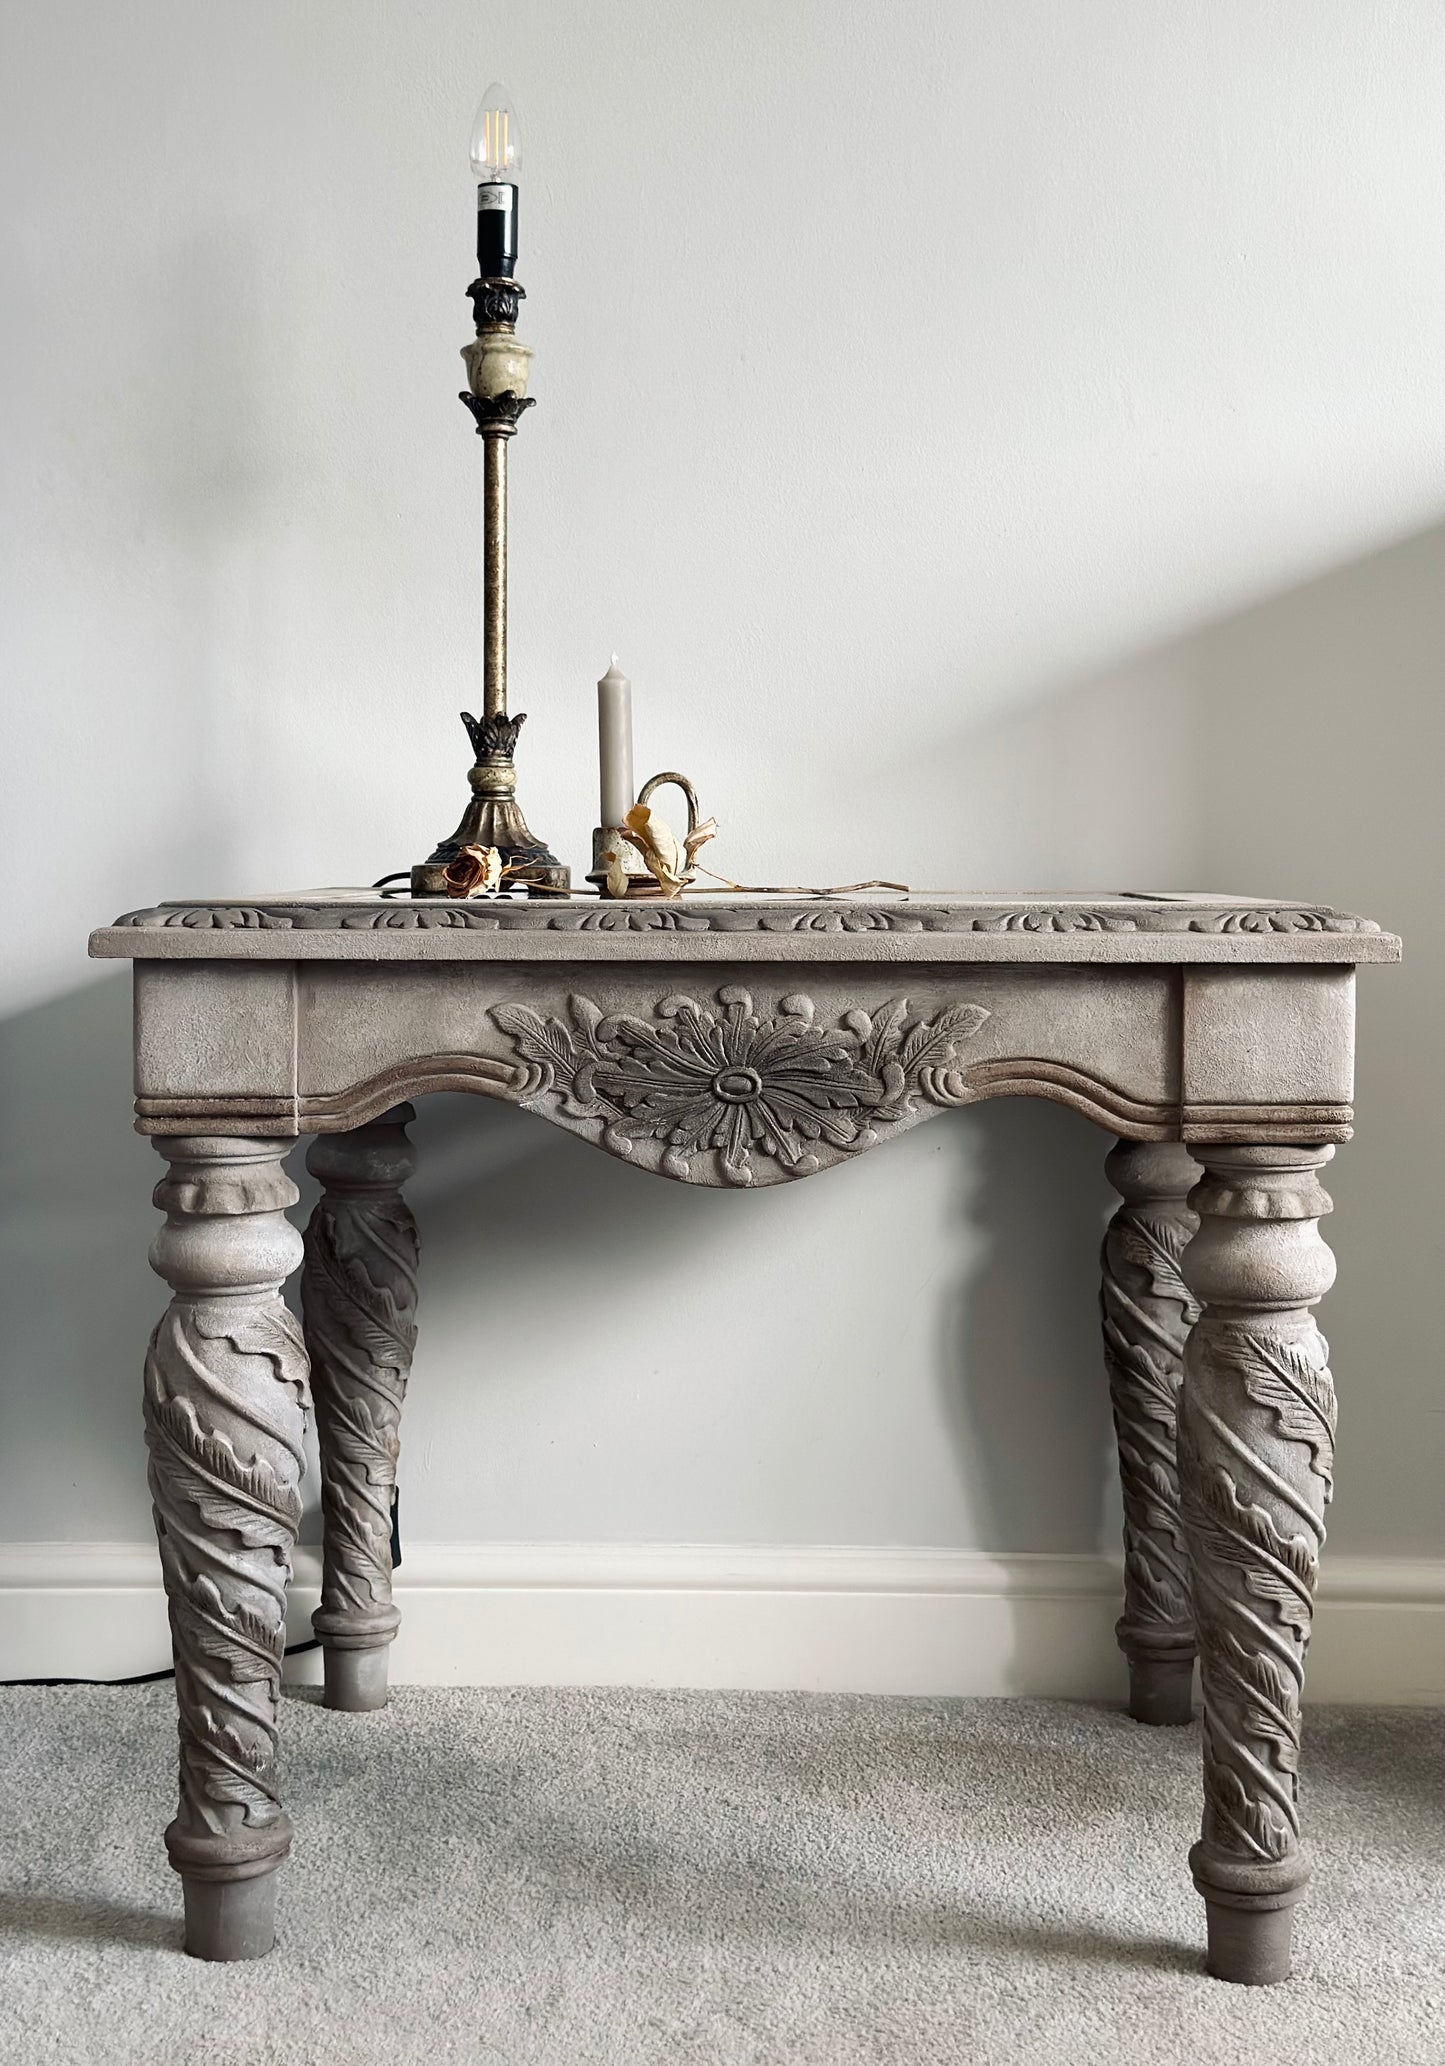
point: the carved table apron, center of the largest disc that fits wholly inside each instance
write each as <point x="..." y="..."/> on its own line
<point x="748" y="1042"/>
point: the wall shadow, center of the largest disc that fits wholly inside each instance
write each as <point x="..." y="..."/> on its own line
<point x="1019" y="1364"/>
<point x="79" y="1299"/>
<point x="975" y="1391"/>
<point x="671" y="1362"/>
<point x="1290" y="749"/>
<point x="1320" y="771"/>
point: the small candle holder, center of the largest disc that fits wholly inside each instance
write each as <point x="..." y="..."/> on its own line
<point x="616" y="839"/>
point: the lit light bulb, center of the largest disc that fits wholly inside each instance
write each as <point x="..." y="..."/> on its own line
<point x="496" y="154"/>
<point x="496" y="149"/>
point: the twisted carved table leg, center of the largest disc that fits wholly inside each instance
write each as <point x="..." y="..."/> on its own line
<point x="225" y="1407"/>
<point x="1256" y="1448"/>
<point x="1147" y="1316"/>
<point x="358" y="1293"/>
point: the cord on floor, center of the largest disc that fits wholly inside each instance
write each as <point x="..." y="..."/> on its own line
<point x="148" y="1678"/>
<point x="154" y="1678"/>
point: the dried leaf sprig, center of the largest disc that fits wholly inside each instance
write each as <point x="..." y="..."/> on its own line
<point x="669" y="859"/>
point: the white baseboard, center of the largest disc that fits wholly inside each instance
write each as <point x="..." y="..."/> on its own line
<point x="669" y="1614"/>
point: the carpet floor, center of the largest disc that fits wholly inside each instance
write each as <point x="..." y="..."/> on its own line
<point x="596" y="1878"/>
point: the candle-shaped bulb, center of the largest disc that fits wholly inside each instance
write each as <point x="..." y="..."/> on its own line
<point x="496" y="156"/>
<point x="496" y="144"/>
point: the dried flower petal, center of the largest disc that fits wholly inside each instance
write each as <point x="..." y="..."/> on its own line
<point x="669" y="861"/>
<point x="658" y="845"/>
<point x="617" y="878"/>
<point x="699" y="837"/>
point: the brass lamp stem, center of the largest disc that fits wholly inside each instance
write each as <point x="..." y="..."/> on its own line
<point x="494" y="570"/>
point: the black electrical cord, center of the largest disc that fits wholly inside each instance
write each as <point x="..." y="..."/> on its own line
<point x="148" y="1678"/>
<point x="154" y="1678"/>
<point x="403" y="876"/>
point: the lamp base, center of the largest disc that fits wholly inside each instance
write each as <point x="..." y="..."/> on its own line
<point x="494" y="818"/>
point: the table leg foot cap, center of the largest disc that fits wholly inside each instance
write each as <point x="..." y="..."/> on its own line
<point x="1161" y="1691"/>
<point x="1250" y="1946"/>
<point x="355" y="1680"/>
<point x="230" y="1918"/>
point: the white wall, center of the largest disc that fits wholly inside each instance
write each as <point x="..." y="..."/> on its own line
<point x="1036" y="402"/>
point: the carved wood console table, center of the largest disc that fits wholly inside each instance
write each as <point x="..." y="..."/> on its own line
<point x="740" y="1042"/>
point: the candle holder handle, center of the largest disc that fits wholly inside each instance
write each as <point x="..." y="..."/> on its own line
<point x="675" y="781"/>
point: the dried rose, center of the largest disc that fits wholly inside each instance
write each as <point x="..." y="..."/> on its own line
<point x="475" y="872"/>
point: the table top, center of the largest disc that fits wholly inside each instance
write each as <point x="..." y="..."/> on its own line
<point x="1114" y="926"/>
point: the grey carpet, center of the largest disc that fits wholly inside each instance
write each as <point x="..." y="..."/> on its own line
<point x="532" y="1878"/>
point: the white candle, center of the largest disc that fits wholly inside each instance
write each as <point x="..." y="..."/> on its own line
<point x="614" y="740"/>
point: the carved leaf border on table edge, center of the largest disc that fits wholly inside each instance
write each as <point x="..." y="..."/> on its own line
<point x="1147" y="918"/>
